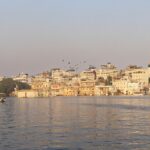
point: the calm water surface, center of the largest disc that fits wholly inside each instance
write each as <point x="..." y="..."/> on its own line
<point x="75" y="123"/>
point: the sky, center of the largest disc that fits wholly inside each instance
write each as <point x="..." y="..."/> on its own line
<point x="37" y="35"/>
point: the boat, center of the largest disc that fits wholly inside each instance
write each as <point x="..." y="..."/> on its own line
<point x="2" y="99"/>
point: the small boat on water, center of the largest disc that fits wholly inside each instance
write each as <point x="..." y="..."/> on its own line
<point x="2" y="99"/>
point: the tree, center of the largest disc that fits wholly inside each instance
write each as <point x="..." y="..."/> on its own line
<point x="109" y="80"/>
<point x="118" y="92"/>
<point x="101" y="79"/>
<point x="145" y="90"/>
<point x="149" y="80"/>
<point x="21" y="85"/>
<point x="8" y="85"/>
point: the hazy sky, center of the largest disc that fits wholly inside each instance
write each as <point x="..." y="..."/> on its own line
<point x="35" y="35"/>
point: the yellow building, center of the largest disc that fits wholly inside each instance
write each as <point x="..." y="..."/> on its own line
<point x="87" y="83"/>
<point x="57" y="89"/>
<point x="102" y="90"/>
<point x="41" y="85"/>
<point x="86" y="88"/>
<point x="70" y="91"/>
<point x="27" y="94"/>
<point x="86" y="91"/>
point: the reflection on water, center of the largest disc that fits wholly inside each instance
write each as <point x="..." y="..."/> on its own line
<point x="70" y="123"/>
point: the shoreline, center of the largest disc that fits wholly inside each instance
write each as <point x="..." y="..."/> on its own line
<point x="111" y="96"/>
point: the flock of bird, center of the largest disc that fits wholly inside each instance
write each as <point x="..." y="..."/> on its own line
<point x="69" y="65"/>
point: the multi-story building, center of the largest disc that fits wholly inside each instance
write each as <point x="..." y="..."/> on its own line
<point x="88" y="75"/>
<point x="133" y="88"/>
<point x="57" y="89"/>
<point x="103" y="90"/>
<point x="138" y="74"/>
<point x="42" y="84"/>
<point x="70" y="73"/>
<point x="107" y="70"/>
<point x="86" y="88"/>
<point x="57" y="75"/>
<point x="86" y="91"/>
<point x="127" y="87"/>
<point x="105" y="81"/>
<point x="70" y="91"/>
<point x="22" y="77"/>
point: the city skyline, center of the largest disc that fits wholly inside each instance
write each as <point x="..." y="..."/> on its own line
<point x="37" y="35"/>
<point x="76" y="68"/>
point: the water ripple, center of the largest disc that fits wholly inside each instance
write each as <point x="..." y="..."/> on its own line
<point x="75" y="123"/>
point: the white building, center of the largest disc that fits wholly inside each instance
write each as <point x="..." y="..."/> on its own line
<point x="88" y="75"/>
<point x="57" y="74"/>
<point x="22" y="77"/>
<point x="107" y="70"/>
<point x="138" y="74"/>
<point x="125" y="86"/>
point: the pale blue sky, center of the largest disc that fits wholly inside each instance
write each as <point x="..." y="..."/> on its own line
<point x="35" y="35"/>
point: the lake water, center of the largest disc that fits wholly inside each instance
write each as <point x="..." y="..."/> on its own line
<point x="75" y="123"/>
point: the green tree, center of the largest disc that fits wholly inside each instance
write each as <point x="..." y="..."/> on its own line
<point x="8" y="85"/>
<point x="109" y="80"/>
<point x="21" y="85"/>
